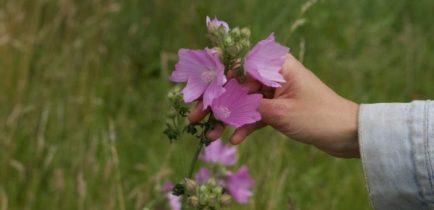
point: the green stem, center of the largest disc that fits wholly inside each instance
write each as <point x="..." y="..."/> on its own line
<point x="195" y="157"/>
<point x="199" y="147"/>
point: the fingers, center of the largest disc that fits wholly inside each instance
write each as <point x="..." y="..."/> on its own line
<point x="267" y="92"/>
<point x="230" y="74"/>
<point x="215" y="132"/>
<point x="241" y="133"/>
<point x="252" y="86"/>
<point x="197" y="114"/>
<point x="270" y="110"/>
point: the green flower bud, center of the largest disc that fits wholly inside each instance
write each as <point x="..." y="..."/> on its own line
<point x="233" y="50"/>
<point x="245" y="32"/>
<point x="245" y="43"/>
<point x="225" y="200"/>
<point x="211" y="182"/>
<point x="174" y="93"/>
<point x="228" y="41"/>
<point x="190" y="185"/>
<point x="236" y="32"/>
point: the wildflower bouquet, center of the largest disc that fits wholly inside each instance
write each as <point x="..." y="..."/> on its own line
<point x="215" y="76"/>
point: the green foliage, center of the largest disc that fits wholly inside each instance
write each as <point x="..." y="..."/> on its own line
<point x="83" y="95"/>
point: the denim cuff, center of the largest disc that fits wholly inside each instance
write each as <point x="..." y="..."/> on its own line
<point x="397" y="150"/>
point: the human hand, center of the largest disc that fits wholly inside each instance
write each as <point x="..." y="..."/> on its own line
<point x="304" y="108"/>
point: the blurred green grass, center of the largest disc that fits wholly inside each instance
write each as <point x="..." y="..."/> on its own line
<point x="82" y="95"/>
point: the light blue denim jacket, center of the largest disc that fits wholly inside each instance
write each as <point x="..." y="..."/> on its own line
<point x="397" y="151"/>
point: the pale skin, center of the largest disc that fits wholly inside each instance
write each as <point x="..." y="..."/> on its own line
<point x="304" y="108"/>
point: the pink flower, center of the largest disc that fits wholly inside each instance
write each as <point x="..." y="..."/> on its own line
<point x="264" y="61"/>
<point x="235" y="106"/>
<point x="215" y="23"/>
<point x="239" y="184"/>
<point x="203" y="72"/>
<point x="218" y="152"/>
<point x="167" y="186"/>
<point x="174" y="201"/>
<point x="202" y="175"/>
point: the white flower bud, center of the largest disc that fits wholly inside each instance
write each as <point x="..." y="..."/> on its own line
<point x="190" y="185"/>
<point x="193" y="201"/>
<point x="225" y="200"/>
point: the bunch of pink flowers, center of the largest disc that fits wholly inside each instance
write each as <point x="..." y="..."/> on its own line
<point x="205" y="73"/>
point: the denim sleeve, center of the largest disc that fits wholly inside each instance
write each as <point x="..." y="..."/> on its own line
<point x="397" y="151"/>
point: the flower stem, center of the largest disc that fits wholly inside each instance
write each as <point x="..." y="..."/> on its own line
<point x="194" y="161"/>
<point x="199" y="147"/>
<point x="202" y="141"/>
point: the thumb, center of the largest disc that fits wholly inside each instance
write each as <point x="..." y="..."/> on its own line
<point x="270" y="110"/>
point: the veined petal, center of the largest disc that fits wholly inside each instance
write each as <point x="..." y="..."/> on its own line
<point x="194" y="89"/>
<point x="203" y="72"/>
<point x="214" y="90"/>
<point x="235" y="106"/>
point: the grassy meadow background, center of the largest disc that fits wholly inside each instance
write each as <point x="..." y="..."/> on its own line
<point x="83" y="86"/>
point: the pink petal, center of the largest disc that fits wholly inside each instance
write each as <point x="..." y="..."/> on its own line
<point x="194" y="89"/>
<point x="218" y="152"/>
<point x="239" y="184"/>
<point x="202" y="175"/>
<point x="265" y="60"/>
<point x="216" y="23"/>
<point x="235" y="107"/>
<point x="174" y="201"/>
<point x="203" y="72"/>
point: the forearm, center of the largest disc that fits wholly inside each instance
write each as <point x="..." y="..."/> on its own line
<point x="397" y="152"/>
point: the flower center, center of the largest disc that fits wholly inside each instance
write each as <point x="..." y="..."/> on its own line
<point x="208" y="76"/>
<point x="223" y="111"/>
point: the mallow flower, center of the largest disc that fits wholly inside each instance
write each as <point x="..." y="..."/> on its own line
<point x="203" y="72"/>
<point x="239" y="184"/>
<point x="215" y="23"/>
<point x="218" y="152"/>
<point x="174" y="201"/>
<point x="264" y="61"/>
<point x="202" y="175"/>
<point x="235" y="106"/>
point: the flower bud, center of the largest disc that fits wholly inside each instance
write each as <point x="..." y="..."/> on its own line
<point x="234" y="50"/>
<point x="236" y="32"/>
<point x="190" y="185"/>
<point x="245" y="43"/>
<point x="193" y="201"/>
<point x="245" y="32"/>
<point x="225" y="200"/>
<point x="228" y="41"/>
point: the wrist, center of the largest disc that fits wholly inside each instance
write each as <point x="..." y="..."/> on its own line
<point x="347" y="131"/>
